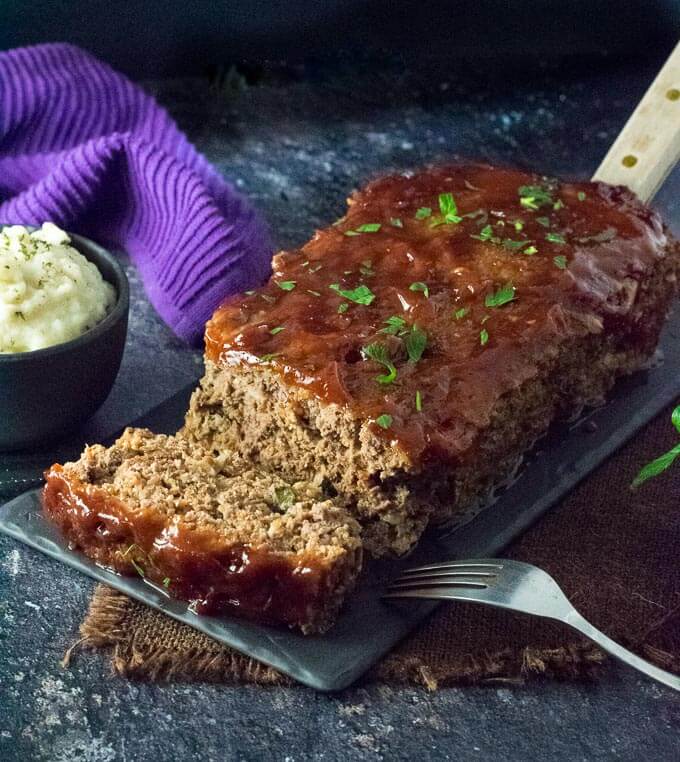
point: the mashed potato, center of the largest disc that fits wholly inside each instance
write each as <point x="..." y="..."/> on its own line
<point x="49" y="292"/>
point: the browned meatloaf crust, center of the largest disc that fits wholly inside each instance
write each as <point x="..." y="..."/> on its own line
<point x="243" y="542"/>
<point x="407" y="356"/>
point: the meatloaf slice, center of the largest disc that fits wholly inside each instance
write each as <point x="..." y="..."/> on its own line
<point x="237" y="541"/>
<point x="407" y="356"/>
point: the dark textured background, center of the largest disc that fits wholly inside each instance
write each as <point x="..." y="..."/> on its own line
<point x="297" y="140"/>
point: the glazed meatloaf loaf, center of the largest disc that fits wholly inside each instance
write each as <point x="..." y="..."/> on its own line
<point x="407" y="356"/>
<point x="244" y="542"/>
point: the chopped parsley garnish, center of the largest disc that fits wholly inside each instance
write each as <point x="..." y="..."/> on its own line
<point x="461" y="313"/>
<point x="449" y="209"/>
<point x="420" y="286"/>
<point x="395" y="324"/>
<point x="384" y="420"/>
<point x="519" y="225"/>
<point x="485" y="234"/>
<point x="368" y="227"/>
<point x="664" y="461"/>
<point x="559" y="204"/>
<point x="423" y="212"/>
<point x="483" y="336"/>
<point x="360" y="294"/>
<point x="378" y="353"/>
<point x="530" y="250"/>
<point x="534" y="196"/>
<point x="269" y="357"/>
<point x="419" y="401"/>
<point x="560" y="261"/>
<point x="555" y="238"/>
<point x="511" y="245"/>
<point x="504" y="295"/>
<point x="581" y="196"/>
<point x="166" y="582"/>
<point x="284" y="496"/>
<point x="276" y="330"/>
<point x="545" y="221"/>
<point x="396" y="222"/>
<point x="286" y="285"/>
<point x="415" y="341"/>
<point x="343" y="307"/>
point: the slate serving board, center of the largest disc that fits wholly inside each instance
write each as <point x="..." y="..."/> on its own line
<point x="368" y="626"/>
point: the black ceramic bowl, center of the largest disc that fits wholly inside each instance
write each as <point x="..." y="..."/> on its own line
<point x="46" y="393"/>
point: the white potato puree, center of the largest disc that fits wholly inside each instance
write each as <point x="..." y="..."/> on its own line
<point x="49" y="292"/>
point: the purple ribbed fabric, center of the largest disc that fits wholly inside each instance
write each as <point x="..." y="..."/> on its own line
<point x="83" y="147"/>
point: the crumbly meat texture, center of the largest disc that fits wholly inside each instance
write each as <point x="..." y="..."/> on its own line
<point x="228" y="539"/>
<point x="499" y="300"/>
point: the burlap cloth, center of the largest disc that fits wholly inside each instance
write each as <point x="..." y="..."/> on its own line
<point x="615" y="552"/>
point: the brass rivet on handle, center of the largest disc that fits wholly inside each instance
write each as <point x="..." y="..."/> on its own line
<point x="673" y="94"/>
<point x="629" y="160"/>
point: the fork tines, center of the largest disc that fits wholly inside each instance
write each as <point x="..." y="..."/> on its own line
<point x="468" y="574"/>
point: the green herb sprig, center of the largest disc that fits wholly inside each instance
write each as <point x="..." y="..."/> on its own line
<point x="378" y="353"/>
<point x="663" y="462"/>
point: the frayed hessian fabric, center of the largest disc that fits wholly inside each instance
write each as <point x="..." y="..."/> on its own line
<point x="614" y="551"/>
<point x="85" y="148"/>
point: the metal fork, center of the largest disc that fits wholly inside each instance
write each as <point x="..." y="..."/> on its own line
<point x="512" y="585"/>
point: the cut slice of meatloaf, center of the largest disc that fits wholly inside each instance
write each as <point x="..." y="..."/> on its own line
<point x="238" y="541"/>
<point x="407" y="356"/>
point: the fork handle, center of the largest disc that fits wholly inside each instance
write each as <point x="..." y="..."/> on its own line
<point x="575" y="620"/>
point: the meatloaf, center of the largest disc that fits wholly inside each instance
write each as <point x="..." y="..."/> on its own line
<point x="406" y="357"/>
<point x="237" y="541"/>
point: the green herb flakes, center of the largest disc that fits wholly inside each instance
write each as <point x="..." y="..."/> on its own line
<point x="560" y="261"/>
<point x="268" y="358"/>
<point x="396" y="222"/>
<point x="166" y="582"/>
<point x="485" y="234"/>
<point x="483" y="336"/>
<point x="461" y="313"/>
<point x="284" y="496"/>
<point x="534" y="196"/>
<point x="581" y="196"/>
<point x="368" y="227"/>
<point x="555" y="238"/>
<point x="530" y="250"/>
<point x="420" y="286"/>
<point x="504" y="295"/>
<point x="378" y="353"/>
<point x="415" y="341"/>
<point x="394" y="325"/>
<point x="276" y="330"/>
<point x="384" y="420"/>
<point x="518" y="225"/>
<point x="342" y="308"/>
<point x="449" y="209"/>
<point x="419" y="401"/>
<point x="559" y="204"/>
<point x="359" y="295"/>
<point x="286" y="285"/>
<point x="423" y="213"/>
<point x="545" y="221"/>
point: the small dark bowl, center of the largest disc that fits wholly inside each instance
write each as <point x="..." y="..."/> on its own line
<point x="47" y="393"/>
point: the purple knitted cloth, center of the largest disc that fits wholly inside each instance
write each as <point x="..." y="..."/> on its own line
<point x="83" y="147"/>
